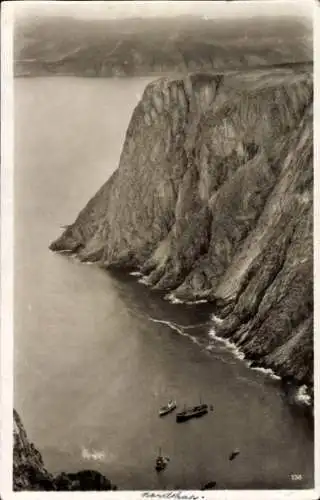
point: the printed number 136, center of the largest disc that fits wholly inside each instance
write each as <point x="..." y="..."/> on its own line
<point x="296" y="477"/>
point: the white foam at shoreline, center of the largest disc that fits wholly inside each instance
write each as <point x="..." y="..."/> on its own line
<point x="143" y="280"/>
<point x="200" y="301"/>
<point x="174" y="300"/>
<point x="266" y="371"/>
<point x="216" y="319"/>
<point x="240" y="355"/>
<point x="76" y="259"/>
<point x="170" y="297"/>
<point x="230" y="346"/>
<point x="302" y="395"/>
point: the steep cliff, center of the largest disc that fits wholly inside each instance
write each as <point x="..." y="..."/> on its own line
<point x="213" y="199"/>
<point x="30" y="474"/>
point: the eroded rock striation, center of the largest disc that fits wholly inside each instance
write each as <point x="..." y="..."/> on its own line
<point x="30" y="473"/>
<point x="213" y="199"/>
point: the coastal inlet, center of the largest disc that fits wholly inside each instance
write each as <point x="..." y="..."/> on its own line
<point x="94" y="358"/>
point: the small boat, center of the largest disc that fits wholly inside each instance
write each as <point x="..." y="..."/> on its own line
<point x="193" y="412"/>
<point x="209" y="486"/>
<point x="234" y="454"/>
<point x="161" y="462"/>
<point x="164" y="410"/>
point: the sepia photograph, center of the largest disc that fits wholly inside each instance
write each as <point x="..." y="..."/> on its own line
<point x="162" y="247"/>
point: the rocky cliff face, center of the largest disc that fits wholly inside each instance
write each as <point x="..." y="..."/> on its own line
<point x="30" y="474"/>
<point x="213" y="200"/>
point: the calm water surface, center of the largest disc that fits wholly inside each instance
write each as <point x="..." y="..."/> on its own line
<point x="91" y="367"/>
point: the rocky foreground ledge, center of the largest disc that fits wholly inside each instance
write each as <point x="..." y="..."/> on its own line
<point x="213" y="199"/>
<point x="30" y="474"/>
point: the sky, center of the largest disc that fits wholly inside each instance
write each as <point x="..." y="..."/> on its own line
<point x="157" y="8"/>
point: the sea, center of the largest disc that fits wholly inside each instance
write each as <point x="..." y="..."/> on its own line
<point x="96" y="354"/>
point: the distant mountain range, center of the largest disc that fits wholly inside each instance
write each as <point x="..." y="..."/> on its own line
<point x="69" y="46"/>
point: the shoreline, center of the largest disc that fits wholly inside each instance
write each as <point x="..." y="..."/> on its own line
<point x="202" y="336"/>
<point x="300" y="393"/>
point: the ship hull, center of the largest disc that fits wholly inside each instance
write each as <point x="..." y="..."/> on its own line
<point x="189" y="416"/>
<point x="166" y="412"/>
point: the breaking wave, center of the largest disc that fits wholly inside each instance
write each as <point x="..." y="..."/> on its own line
<point x="200" y="301"/>
<point x="143" y="280"/>
<point x="136" y="273"/>
<point x="174" y="300"/>
<point x="265" y="371"/>
<point x="302" y="396"/>
<point x="93" y="455"/>
<point x="224" y="343"/>
<point x="177" y="328"/>
<point x="215" y="319"/>
<point x="230" y="346"/>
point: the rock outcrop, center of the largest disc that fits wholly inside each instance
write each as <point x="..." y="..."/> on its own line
<point x="30" y="474"/>
<point x="213" y="199"/>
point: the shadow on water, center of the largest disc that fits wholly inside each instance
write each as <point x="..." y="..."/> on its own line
<point x="135" y="294"/>
<point x="195" y="319"/>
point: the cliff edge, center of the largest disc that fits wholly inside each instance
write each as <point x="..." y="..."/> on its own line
<point x="213" y="199"/>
